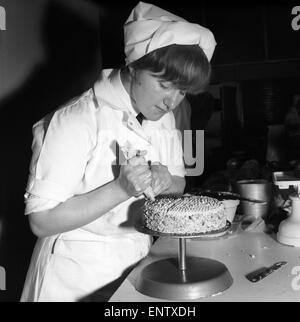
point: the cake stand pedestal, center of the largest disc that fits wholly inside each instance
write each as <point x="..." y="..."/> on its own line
<point x="185" y="277"/>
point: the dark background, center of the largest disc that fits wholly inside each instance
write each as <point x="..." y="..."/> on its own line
<point x="42" y="66"/>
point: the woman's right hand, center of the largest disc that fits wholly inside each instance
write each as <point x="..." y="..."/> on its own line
<point x="135" y="176"/>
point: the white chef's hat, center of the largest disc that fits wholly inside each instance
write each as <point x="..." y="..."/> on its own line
<point x="150" y="27"/>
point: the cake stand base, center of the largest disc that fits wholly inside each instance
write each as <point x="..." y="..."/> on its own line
<point x="202" y="277"/>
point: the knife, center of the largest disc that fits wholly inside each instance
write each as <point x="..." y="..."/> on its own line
<point x="262" y="273"/>
<point x="228" y="195"/>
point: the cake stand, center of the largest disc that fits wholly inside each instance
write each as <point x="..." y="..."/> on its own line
<point x="185" y="277"/>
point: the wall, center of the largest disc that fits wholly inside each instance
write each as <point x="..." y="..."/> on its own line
<point x="49" y="53"/>
<point x="20" y="45"/>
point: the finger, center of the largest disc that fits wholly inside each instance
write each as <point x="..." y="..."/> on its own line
<point x="137" y="187"/>
<point x="145" y="177"/>
<point x="141" y="170"/>
<point x="138" y="179"/>
<point x="155" y="175"/>
<point x="138" y="161"/>
<point x="149" y="193"/>
<point x="146" y="184"/>
<point x="161" y="187"/>
<point x="155" y="184"/>
<point x="158" y="190"/>
<point x="142" y="186"/>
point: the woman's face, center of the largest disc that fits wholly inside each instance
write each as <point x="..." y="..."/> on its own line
<point x="152" y="96"/>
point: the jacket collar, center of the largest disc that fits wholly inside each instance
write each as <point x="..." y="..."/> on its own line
<point x="116" y="82"/>
<point x="110" y="90"/>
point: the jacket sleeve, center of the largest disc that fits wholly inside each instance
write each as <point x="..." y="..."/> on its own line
<point x="60" y="152"/>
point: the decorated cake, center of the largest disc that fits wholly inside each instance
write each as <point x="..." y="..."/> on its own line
<point x="184" y="215"/>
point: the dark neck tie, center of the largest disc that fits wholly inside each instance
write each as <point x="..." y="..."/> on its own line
<point x="140" y="117"/>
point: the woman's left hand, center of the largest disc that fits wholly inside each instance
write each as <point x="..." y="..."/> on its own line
<point x="161" y="178"/>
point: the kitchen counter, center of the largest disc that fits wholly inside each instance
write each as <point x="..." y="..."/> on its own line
<point x="242" y="252"/>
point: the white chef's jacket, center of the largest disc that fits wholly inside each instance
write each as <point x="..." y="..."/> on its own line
<point x="76" y="150"/>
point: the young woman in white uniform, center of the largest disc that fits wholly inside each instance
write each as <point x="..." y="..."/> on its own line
<point x="82" y="197"/>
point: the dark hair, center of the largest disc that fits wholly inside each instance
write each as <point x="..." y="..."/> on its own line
<point x="185" y="66"/>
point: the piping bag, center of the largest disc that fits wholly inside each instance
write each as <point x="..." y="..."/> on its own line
<point x="129" y="152"/>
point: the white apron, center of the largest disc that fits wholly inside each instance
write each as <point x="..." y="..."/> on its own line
<point x="68" y="270"/>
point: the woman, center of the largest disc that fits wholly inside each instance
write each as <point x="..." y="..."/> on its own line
<point x="82" y="195"/>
